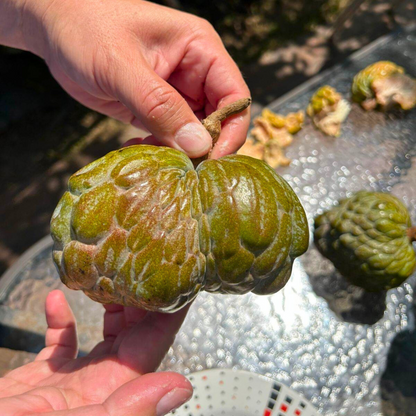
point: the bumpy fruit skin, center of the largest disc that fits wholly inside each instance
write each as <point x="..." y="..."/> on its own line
<point x="365" y="236"/>
<point x="141" y="227"/>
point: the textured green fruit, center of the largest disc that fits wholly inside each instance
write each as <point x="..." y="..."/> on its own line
<point x="366" y="237"/>
<point x="141" y="227"/>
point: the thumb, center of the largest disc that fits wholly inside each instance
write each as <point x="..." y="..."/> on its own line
<point x="153" y="394"/>
<point x="163" y="111"/>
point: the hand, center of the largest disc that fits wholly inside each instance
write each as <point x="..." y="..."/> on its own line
<point x="143" y="64"/>
<point x="113" y="380"/>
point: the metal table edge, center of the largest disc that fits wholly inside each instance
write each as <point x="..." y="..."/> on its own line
<point x="7" y="277"/>
<point x="317" y="79"/>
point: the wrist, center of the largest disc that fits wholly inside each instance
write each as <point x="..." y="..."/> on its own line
<point x="21" y="24"/>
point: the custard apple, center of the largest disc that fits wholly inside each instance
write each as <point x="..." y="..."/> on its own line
<point x="368" y="237"/>
<point x="142" y="227"/>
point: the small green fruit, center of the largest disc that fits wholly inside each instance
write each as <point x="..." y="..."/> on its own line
<point x="369" y="240"/>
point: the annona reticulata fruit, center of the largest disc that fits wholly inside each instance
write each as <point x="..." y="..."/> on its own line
<point x="142" y="227"/>
<point x="384" y="85"/>
<point x="367" y="238"/>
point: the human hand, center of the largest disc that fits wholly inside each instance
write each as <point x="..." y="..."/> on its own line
<point x="113" y="380"/>
<point x="141" y="63"/>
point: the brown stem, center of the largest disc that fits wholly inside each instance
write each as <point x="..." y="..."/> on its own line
<point x="213" y="122"/>
<point x="411" y="233"/>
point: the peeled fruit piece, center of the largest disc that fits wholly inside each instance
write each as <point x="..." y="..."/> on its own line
<point x="142" y="227"/>
<point x="293" y="122"/>
<point x="270" y="135"/>
<point x="328" y="110"/>
<point x="384" y="85"/>
<point x="369" y="239"/>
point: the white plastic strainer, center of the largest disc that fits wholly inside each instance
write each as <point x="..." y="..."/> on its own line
<point x="239" y="393"/>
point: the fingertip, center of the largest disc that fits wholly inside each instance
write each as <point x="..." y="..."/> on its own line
<point x="233" y="136"/>
<point x="178" y="390"/>
<point x="193" y="139"/>
<point x="61" y="335"/>
<point x="174" y="380"/>
<point x="175" y="398"/>
<point x="55" y="299"/>
<point x="56" y="294"/>
<point x="153" y="394"/>
<point x="57" y="310"/>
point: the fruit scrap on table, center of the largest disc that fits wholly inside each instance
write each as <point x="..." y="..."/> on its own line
<point x="328" y="110"/>
<point x="368" y="237"/>
<point x="384" y="85"/>
<point x="270" y="135"/>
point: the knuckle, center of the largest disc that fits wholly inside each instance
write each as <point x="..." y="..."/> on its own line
<point x="205" y="26"/>
<point x="158" y="103"/>
<point x="201" y="26"/>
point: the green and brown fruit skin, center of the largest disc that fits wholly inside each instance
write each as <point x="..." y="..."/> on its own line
<point x="384" y="85"/>
<point x="328" y="110"/>
<point x="142" y="227"/>
<point x="366" y="238"/>
<point x="363" y="81"/>
<point x="325" y="97"/>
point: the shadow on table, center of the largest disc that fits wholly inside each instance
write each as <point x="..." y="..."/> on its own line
<point x="18" y="339"/>
<point x="350" y="303"/>
<point x="23" y="340"/>
<point x="398" y="382"/>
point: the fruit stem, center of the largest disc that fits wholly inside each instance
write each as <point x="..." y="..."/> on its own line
<point x="213" y="122"/>
<point x="411" y="233"/>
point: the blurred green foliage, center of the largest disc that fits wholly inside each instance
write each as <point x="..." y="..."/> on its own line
<point x="248" y="28"/>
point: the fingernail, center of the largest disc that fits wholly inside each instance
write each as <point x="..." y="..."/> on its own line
<point x="172" y="400"/>
<point x="193" y="139"/>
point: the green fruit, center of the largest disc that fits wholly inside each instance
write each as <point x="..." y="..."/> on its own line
<point x="142" y="227"/>
<point x="367" y="238"/>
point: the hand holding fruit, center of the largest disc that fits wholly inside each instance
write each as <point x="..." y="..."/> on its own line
<point x="142" y="227"/>
<point x="136" y="61"/>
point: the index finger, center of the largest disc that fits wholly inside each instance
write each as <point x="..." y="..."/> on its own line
<point x="224" y="84"/>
